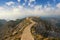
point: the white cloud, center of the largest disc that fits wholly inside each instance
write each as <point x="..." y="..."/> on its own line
<point x="20" y="11"/>
<point x="18" y="0"/>
<point x="31" y="0"/>
<point x="25" y="0"/>
<point x="58" y="5"/>
<point x="1" y="8"/>
<point x="23" y="4"/>
<point x="10" y="3"/>
<point x="31" y="5"/>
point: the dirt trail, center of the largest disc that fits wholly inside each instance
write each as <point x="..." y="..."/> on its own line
<point x="27" y="33"/>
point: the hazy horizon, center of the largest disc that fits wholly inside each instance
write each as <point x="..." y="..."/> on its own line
<point x="14" y="9"/>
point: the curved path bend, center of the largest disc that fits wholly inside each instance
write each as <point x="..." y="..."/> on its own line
<point x="27" y="33"/>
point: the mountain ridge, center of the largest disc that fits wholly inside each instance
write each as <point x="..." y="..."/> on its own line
<point x="41" y="28"/>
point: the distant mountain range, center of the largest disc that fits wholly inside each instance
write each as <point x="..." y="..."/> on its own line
<point x="2" y="22"/>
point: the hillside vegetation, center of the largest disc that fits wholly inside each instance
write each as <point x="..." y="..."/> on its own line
<point x="44" y="30"/>
<point x="41" y="30"/>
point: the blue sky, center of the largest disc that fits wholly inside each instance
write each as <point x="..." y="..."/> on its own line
<point x="38" y="2"/>
<point x="14" y="9"/>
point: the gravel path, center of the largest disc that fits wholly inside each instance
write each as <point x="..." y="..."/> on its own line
<point x="27" y="33"/>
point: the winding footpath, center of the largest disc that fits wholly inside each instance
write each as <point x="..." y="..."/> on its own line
<point x="27" y="33"/>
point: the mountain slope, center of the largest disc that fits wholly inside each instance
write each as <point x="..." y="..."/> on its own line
<point x="30" y="28"/>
